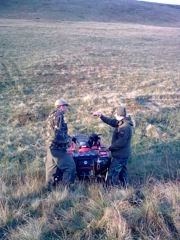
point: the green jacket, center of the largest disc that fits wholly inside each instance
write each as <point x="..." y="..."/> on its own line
<point x="121" y="139"/>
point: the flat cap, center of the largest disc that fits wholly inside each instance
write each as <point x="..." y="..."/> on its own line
<point x="61" y="102"/>
<point x="121" y="111"/>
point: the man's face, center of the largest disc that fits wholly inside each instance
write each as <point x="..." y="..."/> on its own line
<point x="119" y="118"/>
<point x="63" y="108"/>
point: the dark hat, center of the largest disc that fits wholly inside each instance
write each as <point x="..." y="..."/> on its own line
<point x="121" y="111"/>
<point x="61" y="102"/>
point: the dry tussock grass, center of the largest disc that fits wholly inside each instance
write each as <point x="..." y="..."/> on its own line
<point x="89" y="211"/>
<point x="95" y="66"/>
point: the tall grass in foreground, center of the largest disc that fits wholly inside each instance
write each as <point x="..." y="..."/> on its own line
<point x="89" y="211"/>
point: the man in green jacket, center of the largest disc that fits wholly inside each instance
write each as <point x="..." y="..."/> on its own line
<point x="57" y="142"/>
<point x="120" y="145"/>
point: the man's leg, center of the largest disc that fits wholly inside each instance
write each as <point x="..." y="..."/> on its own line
<point x="68" y="167"/>
<point x="123" y="176"/>
<point x="113" y="172"/>
<point x="117" y="171"/>
<point x="66" y="164"/>
<point x="123" y="172"/>
<point x="51" y="168"/>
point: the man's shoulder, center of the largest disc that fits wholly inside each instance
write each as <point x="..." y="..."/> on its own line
<point x="59" y="113"/>
<point x="55" y="113"/>
<point x="123" y="125"/>
<point x="126" y="122"/>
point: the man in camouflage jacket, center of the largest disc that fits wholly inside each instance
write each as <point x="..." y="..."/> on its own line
<point x="120" y="145"/>
<point x="58" y="160"/>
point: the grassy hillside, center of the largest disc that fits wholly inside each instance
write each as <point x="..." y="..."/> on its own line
<point x="96" y="57"/>
<point x="126" y="11"/>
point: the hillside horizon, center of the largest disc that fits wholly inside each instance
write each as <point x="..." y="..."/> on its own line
<point x="124" y="11"/>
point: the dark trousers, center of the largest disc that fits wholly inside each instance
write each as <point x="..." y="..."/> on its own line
<point x="118" y="172"/>
<point x="59" y="160"/>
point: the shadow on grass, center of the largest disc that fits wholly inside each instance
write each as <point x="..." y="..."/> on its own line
<point x="160" y="161"/>
<point x="11" y="224"/>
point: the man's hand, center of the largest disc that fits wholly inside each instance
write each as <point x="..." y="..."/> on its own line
<point x="73" y="139"/>
<point x="107" y="149"/>
<point x="97" y="114"/>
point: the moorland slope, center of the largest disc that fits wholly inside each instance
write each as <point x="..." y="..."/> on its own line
<point x="124" y="11"/>
<point x="96" y="55"/>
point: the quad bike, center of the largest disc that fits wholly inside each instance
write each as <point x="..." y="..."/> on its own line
<point x="91" y="158"/>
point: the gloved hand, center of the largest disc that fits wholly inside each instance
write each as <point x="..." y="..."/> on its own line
<point x="74" y="139"/>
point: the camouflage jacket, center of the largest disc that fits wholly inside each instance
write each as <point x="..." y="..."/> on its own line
<point x="57" y="131"/>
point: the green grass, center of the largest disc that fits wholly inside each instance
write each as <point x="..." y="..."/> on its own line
<point x="96" y="62"/>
